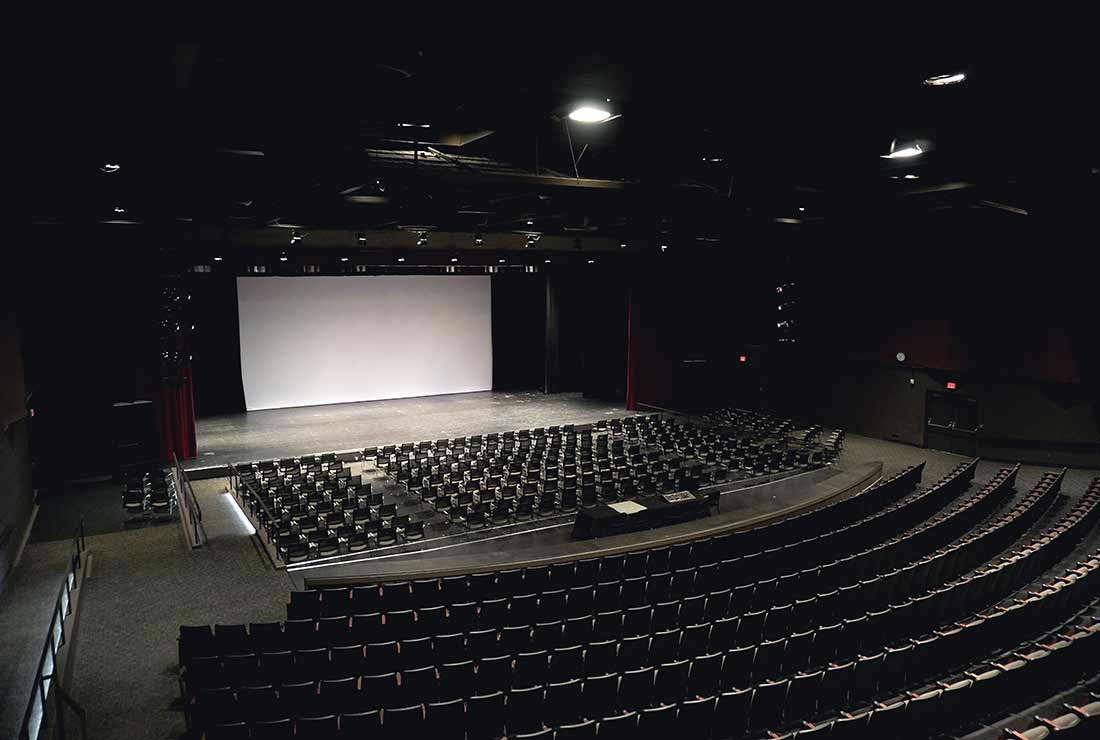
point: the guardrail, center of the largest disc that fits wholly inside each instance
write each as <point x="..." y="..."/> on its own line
<point x="272" y="547"/>
<point x="188" y="504"/>
<point x="36" y="718"/>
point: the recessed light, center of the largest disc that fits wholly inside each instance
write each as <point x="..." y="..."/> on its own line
<point x="589" y="114"/>
<point x="940" y="80"/>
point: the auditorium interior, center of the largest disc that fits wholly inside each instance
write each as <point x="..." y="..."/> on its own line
<point x="469" y="390"/>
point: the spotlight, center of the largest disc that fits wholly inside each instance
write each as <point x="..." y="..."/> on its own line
<point x="589" y="114"/>
<point x="622" y="245"/>
<point x="110" y="169"/>
<point x="421" y="238"/>
<point x="904" y="153"/>
<point x="343" y="259"/>
<point x="296" y="236"/>
<point x="120" y="209"/>
<point x="478" y="241"/>
<point x="361" y="237"/>
<point x="664" y="248"/>
<point x="501" y="261"/>
<point x="454" y="259"/>
<point x="912" y="177"/>
<point x="941" y="80"/>
<point x="546" y="262"/>
<point x="283" y="257"/>
<point x="530" y="222"/>
<point x="801" y="209"/>
<point x="218" y="258"/>
<point x="400" y="259"/>
<point x="591" y="262"/>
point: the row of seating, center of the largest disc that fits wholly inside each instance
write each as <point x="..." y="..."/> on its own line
<point x="148" y="492"/>
<point x="771" y="703"/>
<point x="673" y="635"/>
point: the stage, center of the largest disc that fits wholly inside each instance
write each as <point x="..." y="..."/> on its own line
<point x="346" y="427"/>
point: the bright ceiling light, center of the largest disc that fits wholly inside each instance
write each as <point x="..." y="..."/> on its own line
<point x="940" y="80"/>
<point x="589" y="114"/>
<point x="110" y="169"/>
<point x="454" y="259"/>
<point x="343" y="259"/>
<point x="120" y="209"/>
<point x="903" y="153"/>
<point x="283" y="257"/>
<point x="546" y="261"/>
<point x="218" y="258"/>
<point x="912" y="177"/>
<point x="400" y="259"/>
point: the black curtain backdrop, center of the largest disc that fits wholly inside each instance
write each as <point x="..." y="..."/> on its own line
<point x="519" y="331"/>
<point x="215" y="346"/>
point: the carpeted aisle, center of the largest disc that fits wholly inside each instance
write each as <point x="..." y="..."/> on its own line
<point x="144" y="585"/>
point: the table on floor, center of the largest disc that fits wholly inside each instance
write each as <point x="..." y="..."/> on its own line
<point x="601" y="520"/>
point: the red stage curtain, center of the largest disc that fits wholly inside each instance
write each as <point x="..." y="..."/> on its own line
<point x="177" y="416"/>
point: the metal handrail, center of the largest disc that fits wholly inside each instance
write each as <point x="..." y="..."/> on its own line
<point x="194" y="511"/>
<point x="55" y="639"/>
<point x="256" y="497"/>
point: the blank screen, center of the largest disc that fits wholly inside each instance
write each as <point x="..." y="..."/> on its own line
<point x="307" y="341"/>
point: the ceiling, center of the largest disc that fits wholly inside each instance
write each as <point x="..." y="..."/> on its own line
<point x="237" y="143"/>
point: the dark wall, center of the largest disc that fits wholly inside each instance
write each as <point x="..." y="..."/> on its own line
<point x="586" y="324"/>
<point x="16" y="492"/>
<point x="88" y="310"/>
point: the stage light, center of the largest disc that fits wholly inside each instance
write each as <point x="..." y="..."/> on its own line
<point x="110" y="169"/>
<point x="941" y="80"/>
<point x="478" y="241"/>
<point x="912" y="177"/>
<point x="454" y="259"/>
<point x="622" y="245"/>
<point x="283" y="257"/>
<point x="501" y="261"/>
<point x="218" y="258"/>
<point x="546" y="262"/>
<point x="530" y="222"/>
<point x="903" y="153"/>
<point x="801" y="209"/>
<point x="120" y="209"/>
<point x="361" y="237"/>
<point x="400" y="259"/>
<point x="421" y="238"/>
<point x="343" y="259"/>
<point x="296" y="236"/>
<point x="591" y="262"/>
<point x="664" y="247"/>
<point x="589" y="114"/>
<point x="951" y="385"/>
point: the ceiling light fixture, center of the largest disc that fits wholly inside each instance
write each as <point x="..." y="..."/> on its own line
<point x="217" y="258"/>
<point x="120" y="209"/>
<point x="913" y="150"/>
<point x="622" y="245"/>
<point x="361" y="237"/>
<point x="296" y="236"/>
<point x="283" y="257"/>
<point x="501" y="261"/>
<point x="801" y="209"/>
<point x="941" y="80"/>
<point x="589" y="114"/>
<point x="110" y="169"/>
<point x="421" y="238"/>
<point x="546" y="261"/>
<point x="400" y="259"/>
<point x="912" y="177"/>
<point x="591" y="262"/>
<point x="664" y="247"/>
<point x="343" y="259"/>
<point x="478" y="241"/>
<point x="454" y="259"/>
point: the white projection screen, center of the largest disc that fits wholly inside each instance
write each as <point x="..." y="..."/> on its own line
<point x="307" y="341"/>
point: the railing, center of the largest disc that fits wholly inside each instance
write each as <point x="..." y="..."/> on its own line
<point x="36" y="718"/>
<point x="193" y="512"/>
<point x="235" y="482"/>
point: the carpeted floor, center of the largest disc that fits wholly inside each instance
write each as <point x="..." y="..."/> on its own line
<point x="145" y="584"/>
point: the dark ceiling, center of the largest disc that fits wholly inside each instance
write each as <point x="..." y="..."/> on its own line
<point x="228" y="141"/>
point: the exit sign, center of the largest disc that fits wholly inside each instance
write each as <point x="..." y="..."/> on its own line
<point x="951" y="385"/>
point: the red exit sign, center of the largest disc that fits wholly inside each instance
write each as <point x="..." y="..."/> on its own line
<point x="951" y="385"/>
<point x="744" y="358"/>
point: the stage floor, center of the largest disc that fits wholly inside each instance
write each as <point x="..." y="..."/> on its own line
<point x="274" y="433"/>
